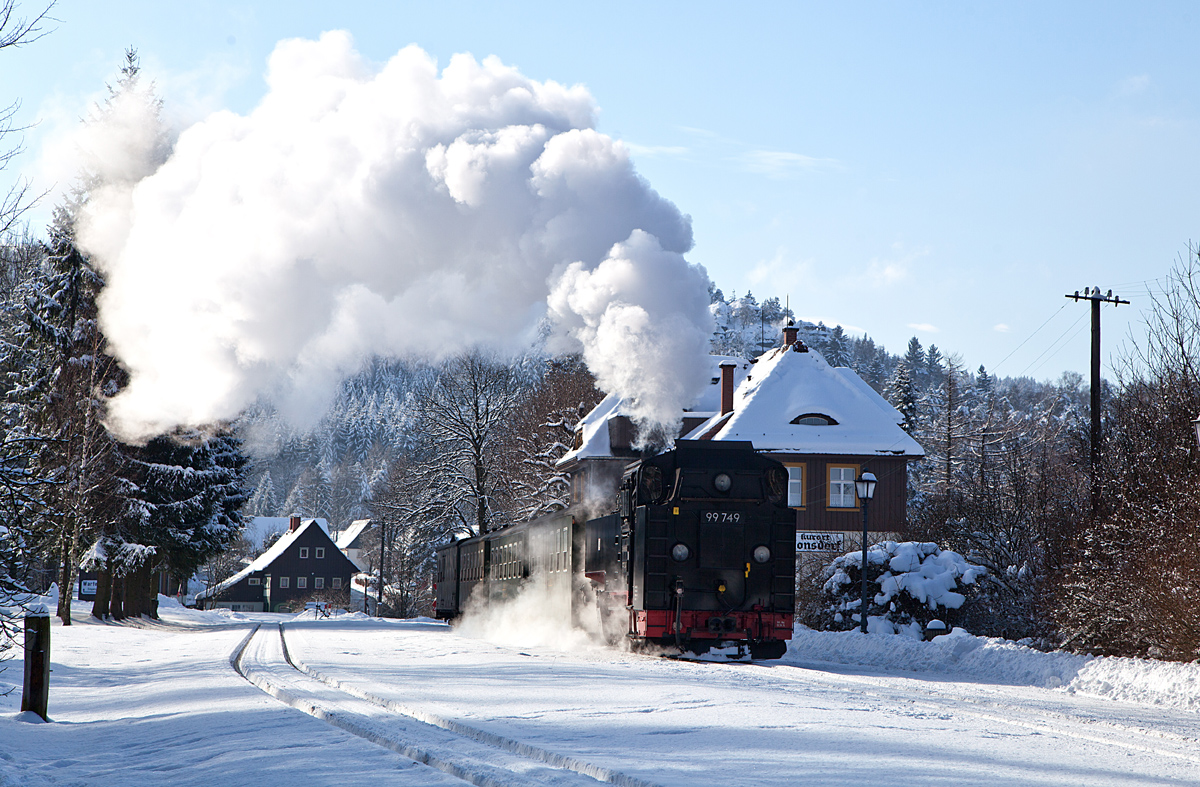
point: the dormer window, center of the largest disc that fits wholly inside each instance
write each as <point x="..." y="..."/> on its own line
<point x="814" y="419"/>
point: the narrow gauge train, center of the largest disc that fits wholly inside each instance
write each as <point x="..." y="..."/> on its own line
<point x="699" y="553"/>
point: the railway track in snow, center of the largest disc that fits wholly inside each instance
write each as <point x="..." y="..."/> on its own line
<point x="471" y="755"/>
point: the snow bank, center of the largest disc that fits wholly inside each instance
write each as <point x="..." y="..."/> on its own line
<point x="1000" y="661"/>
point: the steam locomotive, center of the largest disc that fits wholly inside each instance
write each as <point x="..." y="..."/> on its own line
<point x="700" y="553"/>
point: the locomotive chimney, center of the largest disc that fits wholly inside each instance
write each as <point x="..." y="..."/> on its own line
<point x="293" y="523"/>
<point x="789" y="333"/>
<point x="727" y="368"/>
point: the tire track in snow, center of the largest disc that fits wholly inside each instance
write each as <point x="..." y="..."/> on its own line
<point x="466" y="753"/>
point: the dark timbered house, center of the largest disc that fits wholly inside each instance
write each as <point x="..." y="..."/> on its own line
<point x="303" y="564"/>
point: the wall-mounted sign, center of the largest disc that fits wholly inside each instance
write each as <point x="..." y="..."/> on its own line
<point x="819" y="542"/>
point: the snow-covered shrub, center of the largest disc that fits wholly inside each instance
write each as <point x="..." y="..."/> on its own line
<point x="909" y="584"/>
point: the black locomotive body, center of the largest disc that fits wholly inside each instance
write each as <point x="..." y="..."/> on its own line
<point x="700" y="553"/>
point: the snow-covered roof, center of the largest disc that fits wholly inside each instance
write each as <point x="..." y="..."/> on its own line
<point x="259" y="527"/>
<point x="785" y="384"/>
<point x="347" y="537"/>
<point x="595" y="443"/>
<point x="265" y="559"/>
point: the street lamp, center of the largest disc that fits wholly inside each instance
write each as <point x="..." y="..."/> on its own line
<point x="864" y="485"/>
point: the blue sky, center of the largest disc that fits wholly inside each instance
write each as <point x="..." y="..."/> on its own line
<point x="944" y="170"/>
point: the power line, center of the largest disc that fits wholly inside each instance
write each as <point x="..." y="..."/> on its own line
<point x="1030" y="336"/>
<point x="1053" y="344"/>
<point x="1061" y="347"/>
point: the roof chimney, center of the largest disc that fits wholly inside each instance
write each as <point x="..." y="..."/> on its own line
<point x="293" y="523"/>
<point x="789" y="333"/>
<point x="727" y="368"/>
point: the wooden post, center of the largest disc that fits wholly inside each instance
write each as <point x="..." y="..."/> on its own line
<point x="1093" y="295"/>
<point x="36" y="694"/>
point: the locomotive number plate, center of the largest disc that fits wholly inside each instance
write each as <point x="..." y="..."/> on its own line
<point x="732" y="517"/>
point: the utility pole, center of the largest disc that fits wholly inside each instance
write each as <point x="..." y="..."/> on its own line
<point x="1093" y="294"/>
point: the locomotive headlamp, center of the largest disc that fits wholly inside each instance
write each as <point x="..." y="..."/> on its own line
<point x="722" y="482"/>
<point x="761" y="554"/>
<point x="680" y="552"/>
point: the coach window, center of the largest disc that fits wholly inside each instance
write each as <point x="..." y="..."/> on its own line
<point x="320" y="553"/>
<point x="841" y="486"/>
<point x="795" y="489"/>
<point x="303" y="552"/>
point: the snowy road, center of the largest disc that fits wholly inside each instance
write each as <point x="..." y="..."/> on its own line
<point x="676" y="723"/>
<point x="416" y="703"/>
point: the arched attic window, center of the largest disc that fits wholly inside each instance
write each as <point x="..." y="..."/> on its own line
<point x="814" y="419"/>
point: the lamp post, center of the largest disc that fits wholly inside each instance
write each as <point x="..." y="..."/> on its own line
<point x="864" y="486"/>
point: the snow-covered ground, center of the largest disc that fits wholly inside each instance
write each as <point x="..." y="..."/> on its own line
<point x="235" y="698"/>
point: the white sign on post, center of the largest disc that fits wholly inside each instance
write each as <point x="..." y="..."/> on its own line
<point x="819" y="542"/>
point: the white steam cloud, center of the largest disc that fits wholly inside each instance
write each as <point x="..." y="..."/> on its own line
<point x="361" y="210"/>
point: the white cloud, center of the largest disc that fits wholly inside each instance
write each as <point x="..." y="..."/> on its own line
<point x="1133" y="86"/>
<point x="780" y="163"/>
<point x="923" y="327"/>
<point x="655" y="151"/>
<point x="769" y="270"/>
<point x="888" y="270"/>
<point x="1001" y="328"/>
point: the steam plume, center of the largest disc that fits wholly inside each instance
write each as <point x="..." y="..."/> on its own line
<point x="360" y="210"/>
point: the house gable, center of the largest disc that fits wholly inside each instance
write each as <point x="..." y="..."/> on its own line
<point x="306" y="553"/>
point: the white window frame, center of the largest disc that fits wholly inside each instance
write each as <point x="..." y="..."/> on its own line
<point x="320" y="553"/>
<point x="303" y="553"/>
<point x="301" y="583"/>
<point x="318" y="583"/>
<point x="841" y="489"/>
<point x="337" y="583"/>
<point x="795" y="486"/>
<point x="283" y="582"/>
<point x="255" y="581"/>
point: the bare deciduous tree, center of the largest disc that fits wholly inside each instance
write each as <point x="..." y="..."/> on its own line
<point x="15" y="31"/>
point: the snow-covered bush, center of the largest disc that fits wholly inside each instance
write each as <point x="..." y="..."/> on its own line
<point x="909" y="585"/>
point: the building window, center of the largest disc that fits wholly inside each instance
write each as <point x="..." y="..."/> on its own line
<point x="841" y="486"/>
<point x="255" y="581"/>
<point x="337" y="583"/>
<point x="814" y="419"/>
<point x="319" y="583"/>
<point x="303" y="552"/>
<point x="320" y="552"/>
<point x="283" y="582"/>
<point x="301" y="582"/>
<point x="795" y="489"/>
